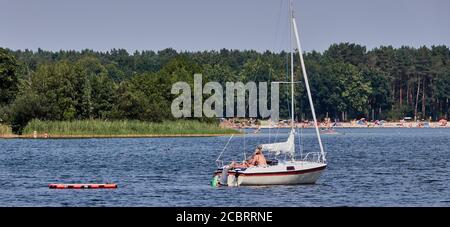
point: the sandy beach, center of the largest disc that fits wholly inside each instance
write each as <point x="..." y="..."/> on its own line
<point x="50" y="136"/>
<point x="360" y="125"/>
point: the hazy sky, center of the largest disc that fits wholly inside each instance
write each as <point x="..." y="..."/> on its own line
<point x="213" y="24"/>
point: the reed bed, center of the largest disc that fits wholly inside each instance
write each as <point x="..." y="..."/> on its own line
<point x="5" y="130"/>
<point x="123" y="127"/>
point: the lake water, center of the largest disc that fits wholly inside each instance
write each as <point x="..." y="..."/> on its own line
<point x="366" y="167"/>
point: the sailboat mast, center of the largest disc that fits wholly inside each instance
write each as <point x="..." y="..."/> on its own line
<point x="291" y="11"/>
<point x="305" y="76"/>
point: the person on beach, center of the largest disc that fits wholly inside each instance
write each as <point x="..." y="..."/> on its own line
<point x="257" y="159"/>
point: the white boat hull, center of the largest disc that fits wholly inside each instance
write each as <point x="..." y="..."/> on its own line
<point x="290" y="173"/>
<point x="307" y="178"/>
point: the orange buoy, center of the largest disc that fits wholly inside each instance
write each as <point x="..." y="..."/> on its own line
<point x="82" y="186"/>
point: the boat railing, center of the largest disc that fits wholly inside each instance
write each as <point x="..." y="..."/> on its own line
<point x="312" y="157"/>
<point x="223" y="162"/>
<point x="219" y="163"/>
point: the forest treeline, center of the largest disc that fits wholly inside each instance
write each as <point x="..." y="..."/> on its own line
<point x="347" y="81"/>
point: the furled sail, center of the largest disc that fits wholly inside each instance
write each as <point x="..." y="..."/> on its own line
<point x="287" y="147"/>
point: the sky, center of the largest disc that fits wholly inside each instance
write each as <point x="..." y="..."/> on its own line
<point x="197" y="25"/>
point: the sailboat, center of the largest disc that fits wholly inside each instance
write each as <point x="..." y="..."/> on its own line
<point x="329" y="129"/>
<point x="305" y="169"/>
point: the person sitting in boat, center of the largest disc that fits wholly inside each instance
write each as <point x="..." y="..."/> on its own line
<point x="257" y="159"/>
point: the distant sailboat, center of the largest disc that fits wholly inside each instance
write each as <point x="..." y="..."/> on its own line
<point x="292" y="170"/>
<point x="257" y="130"/>
<point x="329" y="129"/>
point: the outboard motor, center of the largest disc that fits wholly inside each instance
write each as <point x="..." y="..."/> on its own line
<point x="224" y="176"/>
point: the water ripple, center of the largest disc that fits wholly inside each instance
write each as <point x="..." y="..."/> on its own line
<point x="367" y="167"/>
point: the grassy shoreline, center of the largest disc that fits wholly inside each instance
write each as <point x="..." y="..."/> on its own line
<point x="5" y="130"/>
<point x="119" y="129"/>
<point x="140" y="129"/>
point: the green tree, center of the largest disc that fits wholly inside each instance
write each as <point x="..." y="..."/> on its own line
<point x="8" y="77"/>
<point x="379" y="97"/>
<point x="25" y="108"/>
<point x="346" y="78"/>
<point x="347" y="52"/>
<point x="103" y="96"/>
<point x="140" y="98"/>
<point x="349" y="92"/>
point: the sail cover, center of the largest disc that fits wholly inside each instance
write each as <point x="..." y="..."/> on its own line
<point x="287" y="147"/>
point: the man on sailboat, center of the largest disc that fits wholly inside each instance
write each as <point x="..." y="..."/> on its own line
<point x="257" y="159"/>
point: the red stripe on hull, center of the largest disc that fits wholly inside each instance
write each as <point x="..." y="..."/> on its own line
<point x="296" y="172"/>
<point x="82" y="186"/>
